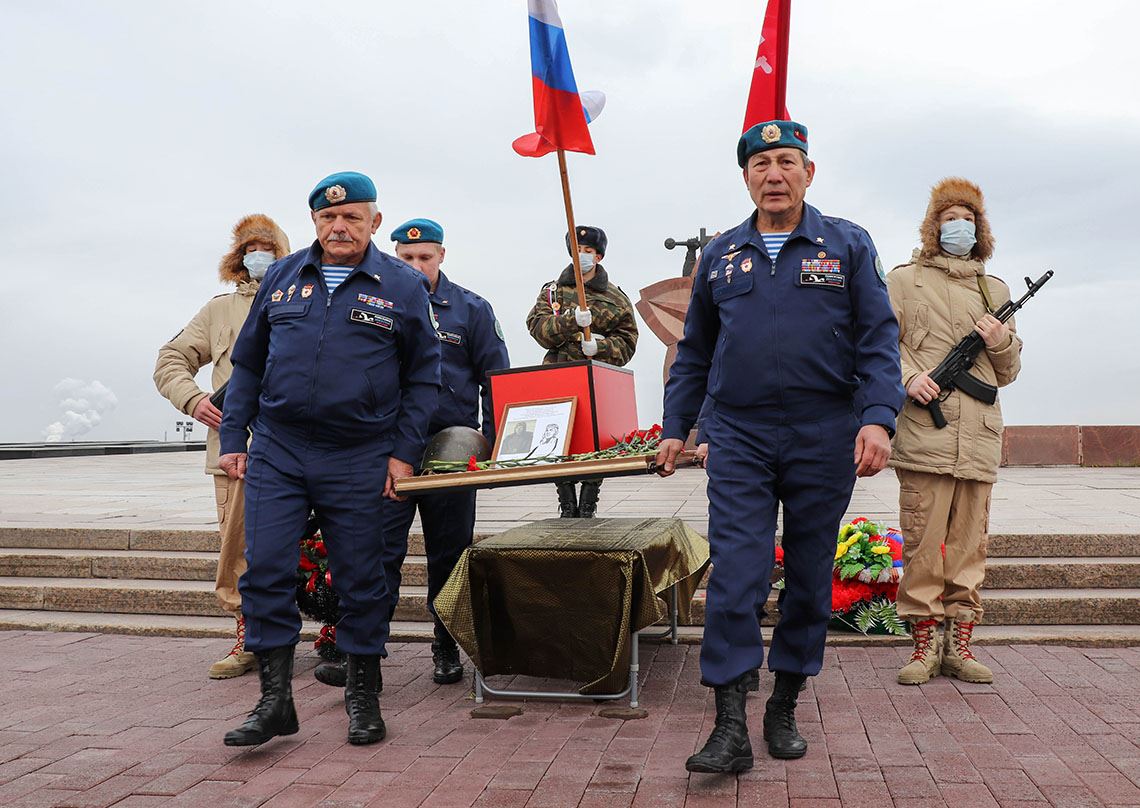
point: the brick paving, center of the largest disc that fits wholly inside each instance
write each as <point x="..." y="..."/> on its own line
<point x="101" y="720"/>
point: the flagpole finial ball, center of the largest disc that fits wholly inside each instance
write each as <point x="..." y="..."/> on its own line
<point x="771" y="135"/>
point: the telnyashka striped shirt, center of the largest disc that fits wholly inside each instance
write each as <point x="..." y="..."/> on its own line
<point x="774" y="242"/>
<point x="334" y="275"/>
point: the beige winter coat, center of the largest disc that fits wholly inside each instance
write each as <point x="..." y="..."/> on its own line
<point x="209" y="337"/>
<point x="937" y="301"/>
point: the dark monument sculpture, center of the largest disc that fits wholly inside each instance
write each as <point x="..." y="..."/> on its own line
<point x="663" y="304"/>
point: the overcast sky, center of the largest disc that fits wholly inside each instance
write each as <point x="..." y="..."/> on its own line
<point x="134" y="135"/>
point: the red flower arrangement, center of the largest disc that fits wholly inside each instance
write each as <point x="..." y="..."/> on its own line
<point x="865" y="580"/>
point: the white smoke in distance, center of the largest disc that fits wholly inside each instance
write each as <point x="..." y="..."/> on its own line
<point x="84" y="404"/>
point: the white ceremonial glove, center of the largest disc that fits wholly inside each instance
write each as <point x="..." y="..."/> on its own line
<point x="583" y="317"/>
<point x="590" y="348"/>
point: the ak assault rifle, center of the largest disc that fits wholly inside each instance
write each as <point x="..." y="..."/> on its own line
<point x="953" y="372"/>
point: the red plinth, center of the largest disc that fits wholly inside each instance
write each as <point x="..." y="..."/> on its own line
<point x="607" y="405"/>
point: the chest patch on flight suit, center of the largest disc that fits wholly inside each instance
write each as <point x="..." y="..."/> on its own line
<point x="375" y="302"/>
<point x="822" y="272"/>
<point x="450" y="338"/>
<point x="371" y="318"/>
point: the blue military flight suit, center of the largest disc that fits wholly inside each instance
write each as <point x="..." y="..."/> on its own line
<point x="332" y="386"/>
<point x="471" y="344"/>
<point x="780" y="350"/>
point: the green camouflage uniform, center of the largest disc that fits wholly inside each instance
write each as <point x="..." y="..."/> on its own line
<point x="551" y="321"/>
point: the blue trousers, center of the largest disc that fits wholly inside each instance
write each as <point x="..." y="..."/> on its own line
<point x="283" y="482"/>
<point x="448" y="522"/>
<point x="752" y="468"/>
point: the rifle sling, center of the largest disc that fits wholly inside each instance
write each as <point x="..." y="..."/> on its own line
<point x="985" y="290"/>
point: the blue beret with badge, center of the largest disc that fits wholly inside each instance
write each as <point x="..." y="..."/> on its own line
<point x="342" y="188"/>
<point x="771" y="135"/>
<point x="589" y="237"/>
<point x="418" y="231"/>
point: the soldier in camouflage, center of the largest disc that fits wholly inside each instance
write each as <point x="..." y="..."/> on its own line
<point x="556" y="325"/>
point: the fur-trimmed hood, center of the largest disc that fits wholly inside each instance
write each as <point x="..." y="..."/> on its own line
<point x="956" y="191"/>
<point x="255" y="227"/>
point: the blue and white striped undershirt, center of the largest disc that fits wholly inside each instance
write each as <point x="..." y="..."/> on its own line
<point x="773" y="242"/>
<point x="334" y="274"/>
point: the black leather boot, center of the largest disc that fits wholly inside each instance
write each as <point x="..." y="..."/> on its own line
<point x="588" y="501"/>
<point x="362" y="699"/>
<point x="784" y="739"/>
<point x="751" y="680"/>
<point x="274" y="714"/>
<point x="728" y="748"/>
<point x="333" y="674"/>
<point x="445" y="657"/>
<point x="567" y="500"/>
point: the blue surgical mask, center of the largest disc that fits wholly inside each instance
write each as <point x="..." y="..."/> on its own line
<point x="957" y="237"/>
<point x="587" y="261"/>
<point x="257" y="263"/>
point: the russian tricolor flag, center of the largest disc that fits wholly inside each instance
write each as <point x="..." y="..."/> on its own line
<point x="560" y="114"/>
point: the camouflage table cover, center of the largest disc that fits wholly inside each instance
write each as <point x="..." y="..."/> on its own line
<point x="559" y="598"/>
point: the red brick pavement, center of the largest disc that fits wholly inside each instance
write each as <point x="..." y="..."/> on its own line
<point x="99" y="720"/>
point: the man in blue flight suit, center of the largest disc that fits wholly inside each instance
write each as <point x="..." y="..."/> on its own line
<point x="337" y="372"/>
<point x="789" y="318"/>
<point x="471" y="343"/>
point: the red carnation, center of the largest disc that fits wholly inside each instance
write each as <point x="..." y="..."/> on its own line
<point x="779" y="554"/>
<point x="845" y="594"/>
<point x="859" y="521"/>
<point x="472" y="464"/>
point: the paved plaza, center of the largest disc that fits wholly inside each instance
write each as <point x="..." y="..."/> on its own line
<point x="131" y="721"/>
<point x="92" y="720"/>
<point x="170" y="491"/>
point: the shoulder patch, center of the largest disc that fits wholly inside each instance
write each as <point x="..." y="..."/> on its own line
<point x="879" y="269"/>
<point x="499" y="331"/>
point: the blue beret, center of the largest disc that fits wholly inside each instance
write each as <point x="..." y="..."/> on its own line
<point x="589" y="237"/>
<point x="771" y="135"/>
<point x="342" y="188"/>
<point x="418" y="231"/>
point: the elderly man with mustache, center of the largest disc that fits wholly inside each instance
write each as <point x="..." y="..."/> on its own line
<point x="336" y="371"/>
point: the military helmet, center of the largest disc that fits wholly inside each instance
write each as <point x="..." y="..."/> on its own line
<point x="457" y="444"/>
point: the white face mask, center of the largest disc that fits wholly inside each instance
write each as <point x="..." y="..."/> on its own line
<point x="957" y="237"/>
<point x="257" y="263"/>
<point x="587" y="260"/>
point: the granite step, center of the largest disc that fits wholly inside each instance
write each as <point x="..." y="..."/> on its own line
<point x="221" y="628"/>
<point x="1023" y="607"/>
<point x="1035" y="573"/>
<point x="1007" y="545"/>
<point x="1062" y="572"/>
<point x="167" y="565"/>
<point x="139" y="596"/>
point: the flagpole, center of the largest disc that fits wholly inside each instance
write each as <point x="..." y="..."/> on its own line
<point x="573" y="238"/>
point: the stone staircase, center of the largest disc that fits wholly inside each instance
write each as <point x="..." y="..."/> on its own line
<point x="1065" y="588"/>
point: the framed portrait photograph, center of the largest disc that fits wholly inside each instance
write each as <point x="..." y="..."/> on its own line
<point x="533" y="430"/>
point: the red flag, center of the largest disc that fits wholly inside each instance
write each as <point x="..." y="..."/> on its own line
<point x="767" y="99"/>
